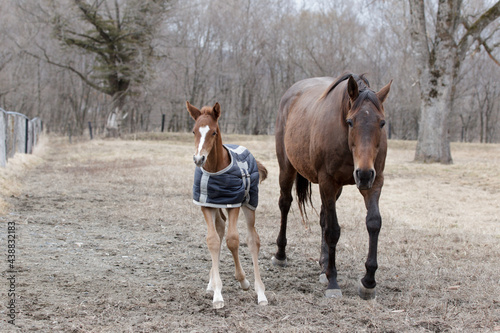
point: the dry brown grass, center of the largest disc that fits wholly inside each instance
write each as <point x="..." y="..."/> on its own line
<point x="11" y="176"/>
<point x="110" y="241"/>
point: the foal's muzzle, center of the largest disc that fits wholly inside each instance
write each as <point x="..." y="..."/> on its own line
<point x="199" y="160"/>
<point x="364" y="178"/>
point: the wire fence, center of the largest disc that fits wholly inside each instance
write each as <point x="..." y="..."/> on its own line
<point x="18" y="134"/>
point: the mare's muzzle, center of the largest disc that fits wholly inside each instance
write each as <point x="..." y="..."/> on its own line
<point x="364" y="178"/>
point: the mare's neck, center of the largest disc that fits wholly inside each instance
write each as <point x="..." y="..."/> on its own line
<point x="218" y="159"/>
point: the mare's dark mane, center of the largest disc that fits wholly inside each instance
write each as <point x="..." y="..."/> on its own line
<point x="365" y="93"/>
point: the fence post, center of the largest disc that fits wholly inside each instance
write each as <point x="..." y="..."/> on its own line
<point x="162" y="122"/>
<point x="26" y="135"/>
<point x="69" y="132"/>
<point x="90" y="130"/>
<point x="3" y="139"/>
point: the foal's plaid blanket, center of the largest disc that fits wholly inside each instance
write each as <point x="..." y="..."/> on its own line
<point x="236" y="185"/>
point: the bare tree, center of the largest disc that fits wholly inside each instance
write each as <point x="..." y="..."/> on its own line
<point x="439" y="61"/>
<point x="119" y="35"/>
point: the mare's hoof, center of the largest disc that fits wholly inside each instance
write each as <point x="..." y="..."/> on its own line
<point x="366" y="293"/>
<point x="218" y="304"/>
<point x="333" y="293"/>
<point x="277" y="262"/>
<point x="263" y="303"/>
<point x="323" y="279"/>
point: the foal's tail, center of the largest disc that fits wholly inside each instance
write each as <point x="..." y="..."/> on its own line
<point x="303" y="189"/>
<point x="262" y="171"/>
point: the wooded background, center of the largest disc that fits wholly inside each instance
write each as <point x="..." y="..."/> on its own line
<point x="73" y="61"/>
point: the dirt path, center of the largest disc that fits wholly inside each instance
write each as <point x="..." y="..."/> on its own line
<point x="107" y="240"/>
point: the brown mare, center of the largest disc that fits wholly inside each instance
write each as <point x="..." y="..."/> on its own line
<point x="330" y="132"/>
<point x="213" y="158"/>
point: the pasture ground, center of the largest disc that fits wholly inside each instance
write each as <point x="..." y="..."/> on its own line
<point x="108" y="240"/>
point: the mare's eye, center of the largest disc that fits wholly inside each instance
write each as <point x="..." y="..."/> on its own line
<point x="214" y="133"/>
<point x="194" y="132"/>
<point x="382" y="123"/>
<point x="349" y="122"/>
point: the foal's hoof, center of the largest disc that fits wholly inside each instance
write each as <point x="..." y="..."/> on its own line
<point x="245" y="285"/>
<point x="263" y="303"/>
<point x="277" y="262"/>
<point x="218" y="304"/>
<point x="333" y="293"/>
<point x="323" y="279"/>
<point x="366" y="293"/>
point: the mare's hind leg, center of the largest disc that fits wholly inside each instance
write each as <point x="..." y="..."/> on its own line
<point x="233" y="243"/>
<point x="214" y="244"/>
<point x="286" y="179"/>
<point x="220" y="226"/>
<point x="253" y="242"/>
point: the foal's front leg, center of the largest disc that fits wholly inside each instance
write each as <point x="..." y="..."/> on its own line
<point x="220" y="226"/>
<point x="253" y="241"/>
<point x="214" y="244"/>
<point x="233" y="244"/>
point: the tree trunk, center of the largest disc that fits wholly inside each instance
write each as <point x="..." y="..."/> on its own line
<point x="438" y="69"/>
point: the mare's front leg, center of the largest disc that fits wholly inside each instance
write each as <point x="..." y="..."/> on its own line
<point x="323" y="258"/>
<point x="331" y="233"/>
<point x="286" y="178"/>
<point x="366" y="288"/>
<point x="214" y="244"/>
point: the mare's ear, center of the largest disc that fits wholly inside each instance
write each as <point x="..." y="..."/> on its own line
<point x="216" y="111"/>
<point x="382" y="94"/>
<point x="352" y="88"/>
<point x="193" y="111"/>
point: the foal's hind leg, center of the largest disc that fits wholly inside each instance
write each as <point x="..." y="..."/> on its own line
<point x="220" y="226"/>
<point x="233" y="243"/>
<point x="253" y="241"/>
<point x="214" y="243"/>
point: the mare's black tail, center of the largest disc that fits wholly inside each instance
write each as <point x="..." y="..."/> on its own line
<point x="303" y="189"/>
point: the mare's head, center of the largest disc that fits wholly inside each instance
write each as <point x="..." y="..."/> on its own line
<point x="365" y="122"/>
<point x="206" y="131"/>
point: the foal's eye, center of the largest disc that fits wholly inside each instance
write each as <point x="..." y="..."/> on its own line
<point x="349" y="122"/>
<point x="214" y="133"/>
<point x="194" y="132"/>
<point x="382" y="123"/>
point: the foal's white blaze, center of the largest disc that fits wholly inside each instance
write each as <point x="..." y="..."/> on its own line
<point x="203" y="132"/>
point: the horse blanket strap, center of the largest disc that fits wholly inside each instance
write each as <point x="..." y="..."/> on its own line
<point x="236" y="185"/>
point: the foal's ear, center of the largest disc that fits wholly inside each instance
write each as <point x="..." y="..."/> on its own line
<point x="352" y="88"/>
<point x="193" y="111"/>
<point x="216" y="111"/>
<point x="382" y="94"/>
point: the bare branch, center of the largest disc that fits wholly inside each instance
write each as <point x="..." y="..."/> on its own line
<point x="82" y="76"/>
<point x="474" y="30"/>
<point x="489" y="50"/>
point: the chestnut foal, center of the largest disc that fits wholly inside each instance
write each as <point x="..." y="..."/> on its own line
<point x="212" y="193"/>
